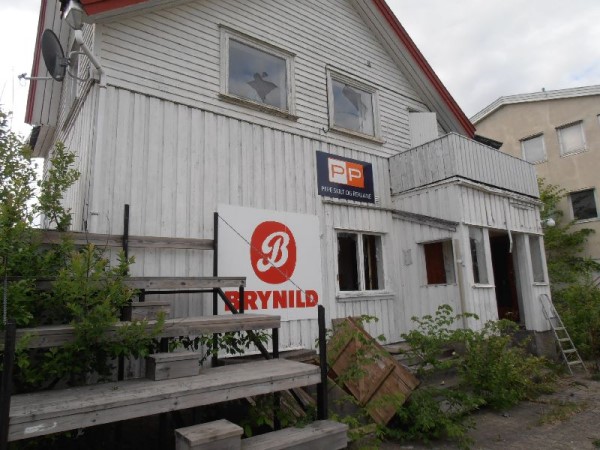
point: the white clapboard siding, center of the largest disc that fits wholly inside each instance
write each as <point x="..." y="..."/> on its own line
<point x="174" y="164"/>
<point x="454" y="155"/>
<point x="474" y="205"/>
<point x="181" y="63"/>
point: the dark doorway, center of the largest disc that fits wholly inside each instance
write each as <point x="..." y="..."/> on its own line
<point x="504" y="275"/>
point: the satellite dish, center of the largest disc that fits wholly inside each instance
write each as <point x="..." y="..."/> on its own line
<point x="54" y="56"/>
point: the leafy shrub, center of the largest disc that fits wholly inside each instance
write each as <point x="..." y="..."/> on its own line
<point x="496" y="370"/>
<point x="87" y="293"/>
<point x="579" y="308"/>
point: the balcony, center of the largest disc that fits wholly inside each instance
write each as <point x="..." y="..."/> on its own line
<point x="455" y="156"/>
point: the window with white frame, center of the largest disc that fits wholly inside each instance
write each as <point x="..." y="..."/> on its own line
<point x="571" y="139"/>
<point x="439" y="262"/>
<point x="353" y="106"/>
<point x="360" y="262"/>
<point x="533" y="149"/>
<point x="256" y="72"/>
<point x="537" y="265"/>
<point x="478" y="257"/>
<point x="583" y="204"/>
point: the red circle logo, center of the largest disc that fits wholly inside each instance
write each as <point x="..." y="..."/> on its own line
<point x="273" y="252"/>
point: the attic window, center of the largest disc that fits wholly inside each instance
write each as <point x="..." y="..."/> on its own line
<point x="256" y="74"/>
<point x="353" y="106"/>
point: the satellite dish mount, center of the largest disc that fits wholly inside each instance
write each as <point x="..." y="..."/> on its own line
<point x="55" y="60"/>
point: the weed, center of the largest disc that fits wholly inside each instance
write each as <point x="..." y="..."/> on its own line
<point x="561" y="411"/>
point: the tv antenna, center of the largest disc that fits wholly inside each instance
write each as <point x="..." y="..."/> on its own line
<point x="57" y="63"/>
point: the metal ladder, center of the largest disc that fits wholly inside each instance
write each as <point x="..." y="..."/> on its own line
<point x="565" y="343"/>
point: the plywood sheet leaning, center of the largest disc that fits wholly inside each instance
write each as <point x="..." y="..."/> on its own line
<point x="379" y="382"/>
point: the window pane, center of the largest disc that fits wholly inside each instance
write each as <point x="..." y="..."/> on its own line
<point x="533" y="149"/>
<point x="584" y="205"/>
<point x="571" y="139"/>
<point x="536" y="259"/>
<point x="257" y="75"/>
<point x="372" y="262"/>
<point x="347" y="262"/>
<point x="352" y="108"/>
<point x="480" y="275"/>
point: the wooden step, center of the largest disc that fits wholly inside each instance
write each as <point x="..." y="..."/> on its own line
<point x="320" y="435"/>
<point x="56" y="335"/>
<point x="48" y="412"/>
<point x="167" y="366"/>
<point x="168" y="283"/>
<point x="217" y="435"/>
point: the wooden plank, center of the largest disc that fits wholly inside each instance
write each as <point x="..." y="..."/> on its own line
<point x="168" y="283"/>
<point x="42" y="413"/>
<point x="145" y="310"/>
<point x="166" y="366"/>
<point x="216" y="435"/>
<point x="319" y="435"/>
<point x="383" y="382"/>
<point x="56" y="335"/>
<point x="108" y="240"/>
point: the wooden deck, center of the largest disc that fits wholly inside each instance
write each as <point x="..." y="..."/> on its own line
<point x="42" y="413"/>
<point x="56" y="335"/>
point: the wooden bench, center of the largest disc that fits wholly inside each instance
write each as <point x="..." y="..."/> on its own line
<point x="47" y="412"/>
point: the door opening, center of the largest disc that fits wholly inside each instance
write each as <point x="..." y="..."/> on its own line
<point x="507" y="297"/>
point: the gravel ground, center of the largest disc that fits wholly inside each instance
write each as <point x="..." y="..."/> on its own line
<point x="566" y="419"/>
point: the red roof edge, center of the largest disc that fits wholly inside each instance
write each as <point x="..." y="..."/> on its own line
<point x="92" y="7"/>
<point x="36" y="62"/>
<point x="425" y="67"/>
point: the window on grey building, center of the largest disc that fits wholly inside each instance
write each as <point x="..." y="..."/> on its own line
<point x="537" y="265"/>
<point x="533" y="149"/>
<point x="571" y="139"/>
<point x="583" y="204"/>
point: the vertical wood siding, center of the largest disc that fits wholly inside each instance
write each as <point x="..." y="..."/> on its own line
<point x="174" y="53"/>
<point x="174" y="165"/>
<point x="456" y="156"/>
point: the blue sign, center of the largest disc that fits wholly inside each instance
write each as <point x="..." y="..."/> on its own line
<point x="346" y="178"/>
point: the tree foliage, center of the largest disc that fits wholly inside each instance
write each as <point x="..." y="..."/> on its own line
<point x="564" y="245"/>
<point x="88" y="291"/>
<point x="575" y="293"/>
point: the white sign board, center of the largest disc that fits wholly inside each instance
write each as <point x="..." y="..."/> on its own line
<point x="279" y="254"/>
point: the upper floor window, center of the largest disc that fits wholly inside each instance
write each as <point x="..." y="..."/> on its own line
<point x="360" y="262"/>
<point x="256" y="73"/>
<point x="533" y="149"/>
<point x="571" y="138"/>
<point x="583" y="204"/>
<point x="353" y="106"/>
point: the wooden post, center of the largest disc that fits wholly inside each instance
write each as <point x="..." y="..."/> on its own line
<point x="5" y="390"/>
<point x="121" y="359"/>
<point x="215" y="358"/>
<point x="322" y="406"/>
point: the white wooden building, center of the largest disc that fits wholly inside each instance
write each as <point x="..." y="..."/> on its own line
<point x="198" y="106"/>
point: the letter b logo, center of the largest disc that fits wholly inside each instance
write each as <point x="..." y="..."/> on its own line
<point x="273" y="252"/>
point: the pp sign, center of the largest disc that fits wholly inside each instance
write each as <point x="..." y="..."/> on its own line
<point x="278" y="253"/>
<point x="346" y="178"/>
<point x="345" y="172"/>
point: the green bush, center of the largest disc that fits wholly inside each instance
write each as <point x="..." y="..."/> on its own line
<point x="87" y="293"/>
<point x="579" y="308"/>
<point x="497" y="371"/>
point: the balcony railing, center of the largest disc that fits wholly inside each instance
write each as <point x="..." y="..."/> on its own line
<point x="455" y="156"/>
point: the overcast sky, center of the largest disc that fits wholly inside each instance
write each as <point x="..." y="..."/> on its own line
<point x="481" y="49"/>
